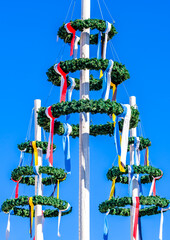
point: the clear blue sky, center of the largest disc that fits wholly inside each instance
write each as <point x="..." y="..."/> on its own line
<point x="28" y="31"/>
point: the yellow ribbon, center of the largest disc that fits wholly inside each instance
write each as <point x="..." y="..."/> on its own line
<point x="58" y="185"/>
<point x="114" y="89"/>
<point x="101" y="74"/>
<point x="112" y="188"/>
<point x="35" y="152"/>
<point x="32" y="212"/>
<point x="147" y="156"/>
<point x="121" y="168"/>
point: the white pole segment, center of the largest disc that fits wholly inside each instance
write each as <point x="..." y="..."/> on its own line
<point x="38" y="181"/>
<point x="135" y="189"/>
<point x="84" y="166"/>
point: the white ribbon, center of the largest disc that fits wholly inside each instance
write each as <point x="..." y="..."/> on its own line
<point x="108" y="28"/>
<point x="137" y="152"/>
<point x="59" y="219"/>
<point x="75" y="51"/>
<point x="125" y="134"/>
<point x="8" y="227"/>
<point x="152" y="186"/>
<point x="108" y="80"/>
<point x="161" y="225"/>
<point x="21" y="157"/>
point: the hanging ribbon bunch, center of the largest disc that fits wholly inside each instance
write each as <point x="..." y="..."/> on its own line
<point x="63" y="87"/>
<point x="70" y="29"/>
<point x="66" y="146"/>
<point x="69" y="92"/>
<point x="49" y="155"/>
<point x="121" y="146"/>
<point x="146" y="163"/>
<point x="137" y="151"/>
<point x="31" y="212"/>
<point x="136" y="216"/>
<point x="107" y="80"/>
<point x="153" y="185"/>
<point x="59" y="218"/>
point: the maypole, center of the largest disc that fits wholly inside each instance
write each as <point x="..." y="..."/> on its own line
<point x="38" y="180"/>
<point x="84" y="164"/>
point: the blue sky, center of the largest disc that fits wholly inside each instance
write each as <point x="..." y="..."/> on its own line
<point x="28" y="32"/>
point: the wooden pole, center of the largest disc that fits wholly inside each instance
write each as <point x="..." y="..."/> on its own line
<point x="38" y="181"/>
<point x="135" y="189"/>
<point x="84" y="164"/>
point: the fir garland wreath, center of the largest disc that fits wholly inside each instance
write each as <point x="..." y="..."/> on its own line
<point x="39" y="144"/>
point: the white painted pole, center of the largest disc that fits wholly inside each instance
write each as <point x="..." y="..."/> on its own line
<point x="38" y="181"/>
<point x="84" y="127"/>
<point x="135" y="189"/>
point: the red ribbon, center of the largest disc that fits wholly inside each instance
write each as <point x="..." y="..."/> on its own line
<point x="136" y="205"/>
<point x="17" y="187"/>
<point x="51" y="134"/>
<point x="154" y="186"/>
<point x="64" y="87"/>
<point x="70" y="29"/>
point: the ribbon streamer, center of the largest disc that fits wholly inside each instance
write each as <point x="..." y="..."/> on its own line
<point x="107" y="80"/>
<point x="63" y="87"/>
<point x="153" y="185"/>
<point x="70" y="29"/>
<point x="99" y="45"/>
<point x="49" y="155"/>
<point x="106" y="227"/>
<point x="161" y="225"/>
<point x="146" y="163"/>
<point x="122" y="148"/>
<point x="8" y="227"/>
<point x="59" y="218"/>
<point x="21" y="157"/>
<point x="77" y="39"/>
<point x="137" y="151"/>
<point x="114" y="88"/>
<point x="35" y="152"/>
<point x="17" y="187"/>
<point x="112" y="191"/>
<point x="108" y="28"/>
<point x="66" y="146"/>
<point x="136" y="216"/>
<point x="31" y="210"/>
<point x="36" y="171"/>
<point x="69" y="92"/>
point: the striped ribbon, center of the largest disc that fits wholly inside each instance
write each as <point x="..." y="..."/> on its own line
<point x="70" y="29"/>
<point x="31" y="210"/>
<point x="107" y="80"/>
<point x="122" y="147"/>
<point x="106" y="227"/>
<point x="63" y="87"/>
<point x="35" y="152"/>
<point x="21" y="157"/>
<point x="153" y="185"/>
<point x="49" y="154"/>
<point x="59" y="218"/>
<point x="146" y="162"/>
<point x="136" y="216"/>
<point x="114" y="88"/>
<point x="69" y="92"/>
<point x="66" y="146"/>
<point x="108" y="28"/>
<point x="77" y="39"/>
<point x="112" y="191"/>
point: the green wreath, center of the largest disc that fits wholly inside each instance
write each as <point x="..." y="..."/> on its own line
<point x="118" y="75"/>
<point x="144" y="142"/>
<point x="23" y="173"/>
<point x="93" y="106"/>
<point x="149" y="170"/>
<point x="28" y="148"/>
<point x="12" y="204"/>
<point x="85" y="24"/>
<point x="115" y="204"/>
